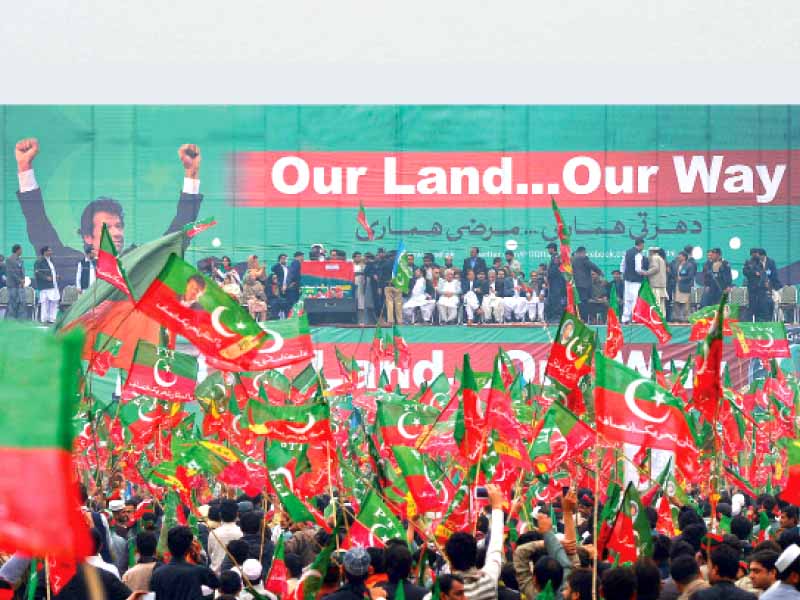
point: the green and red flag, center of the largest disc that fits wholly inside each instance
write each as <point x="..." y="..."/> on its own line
<point x="401" y="271"/>
<point x="631" y="535"/>
<point x="298" y="510"/>
<point x="374" y="526"/>
<point x="614" y="336"/>
<point x="288" y="342"/>
<point x="707" y="393"/>
<point x="106" y="349"/>
<point x="648" y="312"/>
<point x="735" y="479"/>
<point x="304" y="385"/>
<point x="678" y="388"/>
<point x="791" y="490"/>
<point x="298" y="424"/>
<point x="499" y="411"/>
<point x="161" y="373"/>
<point x="429" y="488"/>
<point x="39" y="376"/>
<point x="470" y="428"/>
<point x="702" y="320"/>
<point x="558" y="438"/>
<point x="192" y="229"/>
<point x="311" y="580"/>
<point x="565" y="254"/>
<point x="437" y="393"/>
<point x="760" y="340"/>
<point x="656" y="369"/>
<point x="109" y="268"/>
<point x="634" y="410"/>
<point x="402" y="423"/>
<point x="276" y="581"/>
<point x="362" y="220"/>
<point x="271" y="384"/>
<point x="185" y="301"/>
<point x="570" y="359"/>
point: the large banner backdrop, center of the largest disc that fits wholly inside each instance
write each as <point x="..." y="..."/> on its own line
<point x="441" y="178"/>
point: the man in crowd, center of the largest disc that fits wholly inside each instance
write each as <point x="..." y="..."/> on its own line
<point x="428" y="264"/>
<point x="556" y="286"/>
<point x="15" y="281"/>
<point x="722" y="573"/>
<point x="102" y="210"/>
<point x="139" y="575"/>
<point x="582" y="270"/>
<point x="223" y="534"/>
<point x="762" y="278"/>
<point x="633" y="269"/>
<point x="86" y="272"/>
<point x="716" y="278"/>
<point x="182" y="578"/>
<point x="474" y="262"/>
<point x="473" y="291"/>
<point x="512" y="264"/>
<point x="762" y="573"/>
<point x="536" y="296"/>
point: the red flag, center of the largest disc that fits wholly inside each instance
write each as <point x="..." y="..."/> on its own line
<point x="362" y="220"/>
<point x="470" y="427"/>
<point x="614" y="337"/>
<point x="647" y="311"/>
<point x="109" y="268"/>
<point x="707" y="393"/>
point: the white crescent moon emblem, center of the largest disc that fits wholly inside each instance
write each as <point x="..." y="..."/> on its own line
<point x="654" y="318"/>
<point x="277" y="344"/>
<point x="770" y="343"/>
<point x="557" y="439"/>
<point x="215" y="315"/>
<point x="306" y="428"/>
<point x="401" y="428"/>
<point x="160" y="380"/>
<point x="257" y="380"/>
<point x="446" y="501"/>
<point x="437" y="396"/>
<point x="287" y="474"/>
<point x="568" y="349"/>
<point x="223" y="389"/>
<point x="235" y="425"/>
<point x="372" y="531"/>
<point x="630" y="402"/>
<point x="144" y="418"/>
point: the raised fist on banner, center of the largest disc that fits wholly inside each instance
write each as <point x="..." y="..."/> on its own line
<point x="25" y="151"/>
<point x="190" y="157"/>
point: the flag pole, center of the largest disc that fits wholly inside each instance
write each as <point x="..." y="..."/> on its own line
<point x="596" y="511"/>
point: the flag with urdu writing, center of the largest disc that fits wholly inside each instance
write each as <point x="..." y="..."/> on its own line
<point x="192" y="229"/>
<point x="401" y="272"/>
<point x="276" y="581"/>
<point x="428" y="486"/>
<point x="559" y="437"/>
<point x="185" y="301"/>
<point x="470" y="428"/>
<point x="39" y="375"/>
<point x="161" y="373"/>
<point x="401" y="423"/>
<point x="760" y="340"/>
<point x="614" y="336"/>
<point x="647" y="312"/>
<point x="299" y="424"/>
<point x="362" y="220"/>
<point x="106" y="348"/>
<point x="374" y="526"/>
<point x="288" y="341"/>
<point x="570" y="357"/>
<point x="109" y="268"/>
<point x="632" y="409"/>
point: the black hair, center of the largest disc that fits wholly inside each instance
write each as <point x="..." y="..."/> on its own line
<point x="230" y="583"/>
<point x="790" y="512"/>
<point x="716" y="251"/>
<point x="580" y="582"/>
<point x="726" y="560"/>
<point x="446" y="582"/>
<point x="298" y="253"/>
<point x="239" y="550"/>
<point x="179" y="540"/>
<point x="377" y="559"/>
<point x="766" y="558"/>
<point x="741" y="527"/>
<point x="198" y="279"/>
<point x="648" y="579"/>
<point x="681" y="548"/>
<point x="146" y="543"/>
<point x="767" y="502"/>
<point x="638" y="242"/>
<point x="547" y="569"/>
<point x="551" y="246"/>
<point x="15" y="247"/>
<point x="619" y="583"/>
<point x="683" y="254"/>
<point x="661" y="548"/>
<point x="693" y="534"/>
<point x="101" y="204"/>
<point x="280" y="256"/>
<point x="789" y="537"/>
<point x="97" y="540"/>
<point x="250" y="522"/>
<point x="294" y="564"/>
<point x="228" y="510"/>
<point x="43" y="249"/>
<point x="462" y="550"/>
<point x="684" y="569"/>
<point x="509" y="576"/>
<point x="398" y="562"/>
<point x="213" y="512"/>
<point x="529" y="536"/>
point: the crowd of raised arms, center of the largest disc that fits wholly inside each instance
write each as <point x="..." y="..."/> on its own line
<point x="516" y="551"/>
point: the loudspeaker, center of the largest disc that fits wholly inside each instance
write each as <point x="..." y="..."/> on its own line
<point x="330" y="310"/>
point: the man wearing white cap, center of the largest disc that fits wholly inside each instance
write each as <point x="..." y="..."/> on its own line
<point x="788" y="585"/>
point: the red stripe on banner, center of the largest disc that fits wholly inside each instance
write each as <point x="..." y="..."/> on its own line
<point x="512" y="179"/>
<point x="40" y="515"/>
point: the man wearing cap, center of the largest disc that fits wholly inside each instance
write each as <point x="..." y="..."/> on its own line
<point x="119" y="531"/>
<point x="356" y="568"/>
<point x="788" y="585"/>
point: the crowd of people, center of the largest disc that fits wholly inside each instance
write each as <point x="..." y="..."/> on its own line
<point x="229" y="553"/>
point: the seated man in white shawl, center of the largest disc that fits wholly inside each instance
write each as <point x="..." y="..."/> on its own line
<point x="449" y="292"/>
<point x="419" y="298"/>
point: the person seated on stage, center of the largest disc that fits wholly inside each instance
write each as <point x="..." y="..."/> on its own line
<point x="435" y="283"/>
<point x="253" y="295"/>
<point x="473" y="289"/>
<point x="448" y="263"/>
<point x="428" y="264"/>
<point x="515" y="304"/>
<point x="419" y="298"/>
<point x="449" y="293"/>
<point x="277" y="303"/>
<point x="231" y="287"/>
<point x="497" y="265"/>
<point x="492" y="303"/>
<point x="535" y="297"/>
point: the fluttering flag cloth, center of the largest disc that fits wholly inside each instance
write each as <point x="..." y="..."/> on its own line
<point x="185" y="301"/>
<point x="109" y="267"/>
<point x="362" y="220"/>
<point x="614" y="336"/>
<point x="570" y="359"/>
<point x="401" y="272"/>
<point x="298" y="424"/>
<point x="647" y="312"/>
<point x="161" y="373"/>
<point x="760" y="340"/>
<point x="192" y="229"/>
<point x="632" y="409"/>
<point x="565" y="254"/>
<point x="707" y="393"/>
<point x="559" y="437"/>
<point x="374" y="525"/>
<point x="39" y="504"/>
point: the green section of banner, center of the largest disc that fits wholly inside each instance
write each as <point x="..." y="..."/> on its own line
<point x="130" y="154"/>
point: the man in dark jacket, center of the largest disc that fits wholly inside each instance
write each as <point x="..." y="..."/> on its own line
<point x="717" y="278"/>
<point x="762" y="277"/>
<point x="398" y="566"/>
<point x="293" y="279"/>
<point x="250" y="524"/>
<point x="556" y="286"/>
<point x="180" y="579"/>
<point x="356" y="569"/>
<point x="582" y="269"/>
<point x="474" y="262"/>
<point x="15" y="281"/>
<point x="722" y="577"/>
